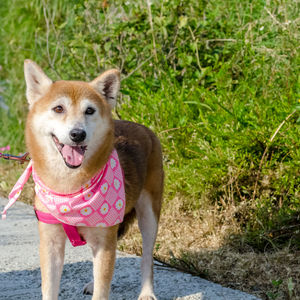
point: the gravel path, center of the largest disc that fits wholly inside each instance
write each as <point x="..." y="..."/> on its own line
<point x="20" y="273"/>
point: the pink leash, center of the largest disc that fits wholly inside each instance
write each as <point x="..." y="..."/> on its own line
<point x="71" y="231"/>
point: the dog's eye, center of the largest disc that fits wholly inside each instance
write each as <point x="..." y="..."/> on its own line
<point x="89" y="111"/>
<point x="58" y="109"/>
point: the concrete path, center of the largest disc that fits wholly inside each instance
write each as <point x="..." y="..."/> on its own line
<point x="20" y="274"/>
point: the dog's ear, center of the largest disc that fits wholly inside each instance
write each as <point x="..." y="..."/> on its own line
<point x="108" y="85"/>
<point x="37" y="82"/>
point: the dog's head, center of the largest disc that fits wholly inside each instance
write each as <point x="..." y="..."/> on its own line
<point x="69" y="121"/>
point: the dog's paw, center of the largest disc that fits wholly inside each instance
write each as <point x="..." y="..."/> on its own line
<point x="88" y="289"/>
<point x="147" y="297"/>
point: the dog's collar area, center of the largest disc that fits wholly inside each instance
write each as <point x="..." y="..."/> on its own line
<point x="99" y="203"/>
<point x="71" y="231"/>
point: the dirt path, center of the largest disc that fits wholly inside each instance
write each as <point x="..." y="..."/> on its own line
<point x="20" y="273"/>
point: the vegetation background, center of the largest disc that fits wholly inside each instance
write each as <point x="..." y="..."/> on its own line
<point x="218" y="81"/>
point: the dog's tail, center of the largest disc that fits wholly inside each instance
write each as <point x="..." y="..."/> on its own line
<point x="128" y="220"/>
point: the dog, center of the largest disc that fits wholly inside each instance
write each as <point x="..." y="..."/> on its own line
<point x="70" y="135"/>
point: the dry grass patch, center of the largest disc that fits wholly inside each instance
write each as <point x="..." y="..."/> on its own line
<point x="208" y="244"/>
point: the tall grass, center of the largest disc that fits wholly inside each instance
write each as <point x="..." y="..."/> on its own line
<point x="214" y="80"/>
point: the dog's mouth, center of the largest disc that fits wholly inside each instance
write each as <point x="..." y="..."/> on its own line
<point x="73" y="155"/>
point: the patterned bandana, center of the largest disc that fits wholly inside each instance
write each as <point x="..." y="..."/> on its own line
<point x="100" y="202"/>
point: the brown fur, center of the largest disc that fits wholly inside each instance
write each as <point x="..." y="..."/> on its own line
<point x="141" y="159"/>
<point x="140" y="156"/>
<point x="139" y="151"/>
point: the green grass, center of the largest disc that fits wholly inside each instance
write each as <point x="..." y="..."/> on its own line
<point x="214" y="80"/>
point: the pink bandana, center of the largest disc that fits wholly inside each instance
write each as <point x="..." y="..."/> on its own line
<point x="100" y="202"/>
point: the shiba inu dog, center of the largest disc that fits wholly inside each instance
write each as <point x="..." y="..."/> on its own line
<point x="70" y="135"/>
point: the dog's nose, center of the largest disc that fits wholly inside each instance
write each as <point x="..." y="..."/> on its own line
<point x="77" y="135"/>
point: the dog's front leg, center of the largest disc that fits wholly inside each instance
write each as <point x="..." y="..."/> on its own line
<point x="52" y="250"/>
<point x="103" y="242"/>
<point x="104" y="255"/>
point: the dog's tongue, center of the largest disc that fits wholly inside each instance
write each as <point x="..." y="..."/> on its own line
<point x="73" y="155"/>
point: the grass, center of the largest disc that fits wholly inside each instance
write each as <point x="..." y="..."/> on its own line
<point x="205" y="254"/>
<point x="218" y="81"/>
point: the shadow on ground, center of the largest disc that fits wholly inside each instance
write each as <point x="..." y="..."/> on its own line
<point x="268" y="275"/>
<point x="20" y="274"/>
<point x="26" y="284"/>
